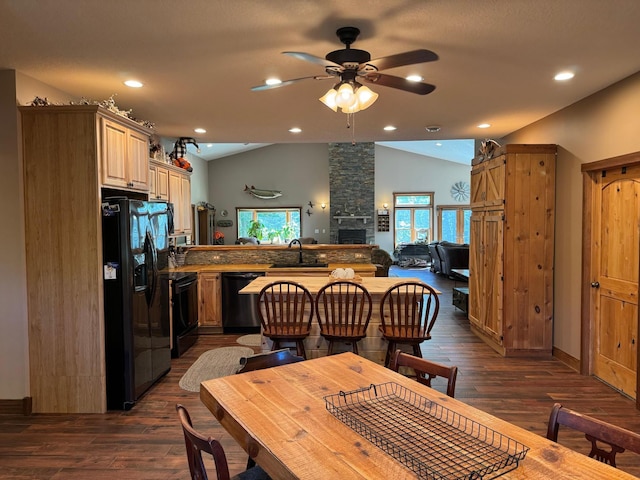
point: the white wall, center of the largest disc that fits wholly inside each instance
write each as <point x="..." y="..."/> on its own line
<point x="14" y="346"/>
<point x="601" y="126"/>
<point x="15" y="89"/>
<point x="398" y="171"/>
<point x="300" y="171"/>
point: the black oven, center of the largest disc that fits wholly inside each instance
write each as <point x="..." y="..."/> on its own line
<point x="184" y="300"/>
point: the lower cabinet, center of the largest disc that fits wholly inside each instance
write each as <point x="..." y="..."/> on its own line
<point x="209" y="302"/>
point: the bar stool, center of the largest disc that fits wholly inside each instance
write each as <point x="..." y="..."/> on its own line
<point x="408" y="312"/>
<point x="343" y="310"/>
<point x="285" y="310"/>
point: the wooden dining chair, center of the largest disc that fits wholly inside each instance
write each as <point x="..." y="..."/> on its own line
<point x="197" y="443"/>
<point x="343" y="310"/>
<point x="596" y="431"/>
<point x="286" y="309"/>
<point x="426" y="370"/>
<point x="408" y="312"/>
<point x="268" y="360"/>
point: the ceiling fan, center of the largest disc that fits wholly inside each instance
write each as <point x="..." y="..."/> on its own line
<point x="350" y="65"/>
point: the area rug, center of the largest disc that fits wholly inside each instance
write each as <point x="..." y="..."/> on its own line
<point x="215" y="363"/>
<point x="253" y="340"/>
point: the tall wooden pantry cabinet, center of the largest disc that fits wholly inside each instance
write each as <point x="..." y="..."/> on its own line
<point x="511" y="249"/>
<point x="69" y="153"/>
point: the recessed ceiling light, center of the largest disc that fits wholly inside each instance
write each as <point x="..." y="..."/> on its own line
<point x="414" y="78"/>
<point x="432" y="128"/>
<point x="273" y="81"/>
<point x="295" y="130"/>
<point x="200" y="130"/>
<point x="209" y="145"/>
<point x="484" y="125"/>
<point x="563" y="76"/>
<point x="133" y="83"/>
<point x="390" y="128"/>
<point x="438" y="144"/>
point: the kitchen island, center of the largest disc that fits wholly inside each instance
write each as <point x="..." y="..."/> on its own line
<point x="372" y="347"/>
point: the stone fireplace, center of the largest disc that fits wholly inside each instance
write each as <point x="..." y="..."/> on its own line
<point x="352" y="190"/>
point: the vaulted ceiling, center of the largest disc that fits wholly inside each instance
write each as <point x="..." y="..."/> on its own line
<point x="198" y="60"/>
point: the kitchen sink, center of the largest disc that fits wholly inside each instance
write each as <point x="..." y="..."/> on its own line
<point x="299" y="265"/>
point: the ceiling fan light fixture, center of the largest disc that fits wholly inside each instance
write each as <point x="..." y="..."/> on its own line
<point x="346" y="96"/>
<point x="329" y="99"/>
<point x="366" y="97"/>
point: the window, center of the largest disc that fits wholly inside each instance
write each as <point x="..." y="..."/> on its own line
<point x="413" y="217"/>
<point x="454" y="223"/>
<point x="274" y="223"/>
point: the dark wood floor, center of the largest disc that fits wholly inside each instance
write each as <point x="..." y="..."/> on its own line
<point x="146" y="442"/>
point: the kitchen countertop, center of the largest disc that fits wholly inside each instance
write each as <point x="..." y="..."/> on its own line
<point x="266" y="267"/>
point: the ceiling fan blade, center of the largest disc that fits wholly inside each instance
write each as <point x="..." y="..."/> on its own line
<point x="400" y="59"/>
<point x="289" y="82"/>
<point x="312" y="58"/>
<point x="399" y="83"/>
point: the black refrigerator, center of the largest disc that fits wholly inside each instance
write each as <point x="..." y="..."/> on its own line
<point x="135" y="250"/>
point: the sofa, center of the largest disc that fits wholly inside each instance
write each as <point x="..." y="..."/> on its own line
<point x="407" y="253"/>
<point x="451" y="256"/>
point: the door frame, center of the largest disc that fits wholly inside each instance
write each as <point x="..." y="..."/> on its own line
<point x="589" y="172"/>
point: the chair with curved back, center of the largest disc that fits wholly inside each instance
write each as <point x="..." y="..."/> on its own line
<point x="343" y="310"/>
<point x="408" y="311"/>
<point x="197" y="443"/>
<point x="285" y="310"/>
<point x="268" y="360"/>
<point x="426" y="370"/>
<point x="596" y="431"/>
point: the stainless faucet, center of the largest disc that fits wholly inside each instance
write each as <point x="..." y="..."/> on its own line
<point x="295" y="240"/>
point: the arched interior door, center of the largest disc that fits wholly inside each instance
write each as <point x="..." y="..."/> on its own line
<point x="614" y="277"/>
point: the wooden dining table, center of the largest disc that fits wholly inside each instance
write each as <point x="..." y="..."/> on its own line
<point x="280" y="417"/>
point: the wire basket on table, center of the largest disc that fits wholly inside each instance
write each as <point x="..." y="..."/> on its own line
<point x="431" y="440"/>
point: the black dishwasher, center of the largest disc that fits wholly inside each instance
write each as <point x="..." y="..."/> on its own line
<point x="239" y="311"/>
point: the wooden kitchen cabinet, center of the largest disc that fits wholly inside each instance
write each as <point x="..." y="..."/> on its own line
<point x="125" y="156"/>
<point x="180" y="196"/>
<point x="159" y="181"/>
<point x="511" y="249"/>
<point x="209" y="302"/>
<point x="62" y="148"/>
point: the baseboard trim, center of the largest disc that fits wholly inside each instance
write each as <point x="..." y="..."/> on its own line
<point x="16" y="407"/>
<point x="567" y="359"/>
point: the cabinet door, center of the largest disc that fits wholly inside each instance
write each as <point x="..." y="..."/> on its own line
<point x="138" y="160"/>
<point x="486" y="273"/>
<point x="488" y="183"/>
<point x="114" y="154"/>
<point x="162" y="183"/>
<point x="175" y="197"/>
<point x="492" y="294"/>
<point x="209" y="300"/>
<point x="476" y="271"/>
<point x="185" y="192"/>
<point x="153" y="174"/>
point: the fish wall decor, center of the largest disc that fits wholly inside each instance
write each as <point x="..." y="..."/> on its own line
<point x="263" y="194"/>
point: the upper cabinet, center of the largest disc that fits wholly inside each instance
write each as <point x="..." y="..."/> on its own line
<point x="125" y="156"/>
<point x="180" y="196"/>
<point x="158" y="181"/>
